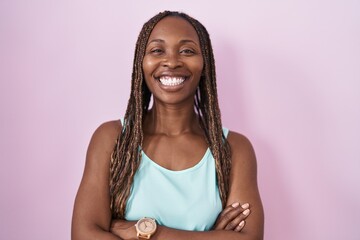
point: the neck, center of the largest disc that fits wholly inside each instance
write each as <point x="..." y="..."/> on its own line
<point x="171" y="120"/>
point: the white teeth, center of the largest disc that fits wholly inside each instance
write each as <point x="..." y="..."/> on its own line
<point x="171" y="81"/>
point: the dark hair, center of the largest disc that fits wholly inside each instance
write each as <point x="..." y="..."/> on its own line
<point x="126" y="156"/>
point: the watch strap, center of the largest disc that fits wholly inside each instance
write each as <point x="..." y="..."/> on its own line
<point x="143" y="238"/>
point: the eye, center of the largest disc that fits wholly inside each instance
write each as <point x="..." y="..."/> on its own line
<point x="156" y="51"/>
<point x="187" y="51"/>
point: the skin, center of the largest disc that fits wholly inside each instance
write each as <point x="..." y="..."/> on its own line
<point x="170" y="129"/>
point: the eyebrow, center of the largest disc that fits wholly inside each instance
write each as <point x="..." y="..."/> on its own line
<point x="156" y="40"/>
<point x="181" y="41"/>
<point x="188" y="41"/>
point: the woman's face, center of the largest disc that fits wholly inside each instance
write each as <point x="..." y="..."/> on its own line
<point x="173" y="61"/>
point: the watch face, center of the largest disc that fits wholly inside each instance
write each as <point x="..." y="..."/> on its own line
<point x="146" y="225"/>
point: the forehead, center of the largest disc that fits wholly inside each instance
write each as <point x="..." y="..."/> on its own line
<point x="173" y="27"/>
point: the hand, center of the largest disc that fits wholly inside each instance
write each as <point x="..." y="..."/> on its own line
<point x="123" y="229"/>
<point x="232" y="217"/>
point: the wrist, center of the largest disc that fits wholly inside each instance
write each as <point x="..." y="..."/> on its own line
<point x="123" y="229"/>
<point x="145" y="228"/>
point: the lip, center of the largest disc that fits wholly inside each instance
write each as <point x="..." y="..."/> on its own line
<point x="171" y="74"/>
<point x="170" y="88"/>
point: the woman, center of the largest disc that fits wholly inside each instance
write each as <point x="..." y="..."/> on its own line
<point x="173" y="162"/>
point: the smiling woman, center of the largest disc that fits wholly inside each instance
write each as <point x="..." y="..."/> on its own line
<point x="173" y="62"/>
<point x="173" y="167"/>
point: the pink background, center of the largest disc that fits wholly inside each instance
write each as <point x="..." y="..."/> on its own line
<point x="288" y="76"/>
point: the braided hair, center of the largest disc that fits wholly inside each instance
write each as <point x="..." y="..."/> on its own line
<point x="126" y="156"/>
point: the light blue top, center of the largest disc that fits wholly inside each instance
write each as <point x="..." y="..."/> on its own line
<point x="188" y="199"/>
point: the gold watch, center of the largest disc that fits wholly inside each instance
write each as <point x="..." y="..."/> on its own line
<point x="145" y="228"/>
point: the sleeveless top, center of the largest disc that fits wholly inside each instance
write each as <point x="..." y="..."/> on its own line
<point x="188" y="199"/>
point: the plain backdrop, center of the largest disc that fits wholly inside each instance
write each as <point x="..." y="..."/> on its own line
<point x="288" y="78"/>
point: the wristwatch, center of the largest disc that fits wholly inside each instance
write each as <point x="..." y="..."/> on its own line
<point x="145" y="228"/>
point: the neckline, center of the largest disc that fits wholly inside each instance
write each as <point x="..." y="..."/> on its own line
<point x="190" y="169"/>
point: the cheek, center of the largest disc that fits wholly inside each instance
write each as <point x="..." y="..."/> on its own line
<point x="148" y="66"/>
<point x="198" y="66"/>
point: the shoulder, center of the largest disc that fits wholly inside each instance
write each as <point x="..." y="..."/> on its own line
<point x="242" y="152"/>
<point x="108" y="130"/>
<point x="104" y="138"/>
<point x="239" y="143"/>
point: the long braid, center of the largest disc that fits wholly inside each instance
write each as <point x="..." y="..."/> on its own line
<point x="210" y="116"/>
<point x="126" y="156"/>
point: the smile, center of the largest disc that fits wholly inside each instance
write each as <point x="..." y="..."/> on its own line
<point x="171" y="81"/>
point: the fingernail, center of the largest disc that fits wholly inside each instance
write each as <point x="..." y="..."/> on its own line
<point x="245" y="205"/>
<point x="242" y="223"/>
<point x="234" y="205"/>
<point x="246" y="212"/>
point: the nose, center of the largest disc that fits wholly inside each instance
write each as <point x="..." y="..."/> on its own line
<point x="172" y="60"/>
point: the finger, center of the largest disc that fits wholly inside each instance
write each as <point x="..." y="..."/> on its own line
<point x="237" y="220"/>
<point x="245" y="206"/>
<point x="229" y="208"/>
<point x="232" y="206"/>
<point x="220" y="224"/>
<point x="226" y="219"/>
<point x="228" y="215"/>
<point x="240" y="226"/>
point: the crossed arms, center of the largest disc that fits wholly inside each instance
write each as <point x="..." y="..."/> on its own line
<point x="92" y="215"/>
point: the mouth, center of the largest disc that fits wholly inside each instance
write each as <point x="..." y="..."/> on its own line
<point x="171" y="80"/>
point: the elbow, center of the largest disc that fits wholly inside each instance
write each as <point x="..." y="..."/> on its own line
<point x="243" y="235"/>
<point x="246" y="235"/>
<point x="80" y="234"/>
<point x="253" y="235"/>
<point x="86" y="233"/>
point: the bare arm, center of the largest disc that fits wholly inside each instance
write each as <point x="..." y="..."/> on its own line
<point x="243" y="189"/>
<point x="243" y="184"/>
<point x="92" y="215"/>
